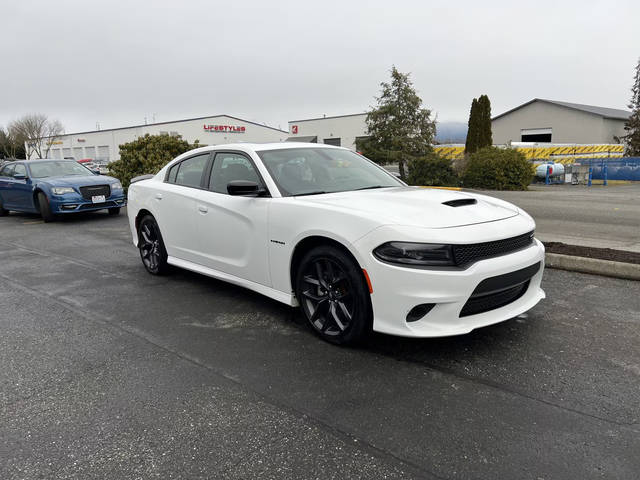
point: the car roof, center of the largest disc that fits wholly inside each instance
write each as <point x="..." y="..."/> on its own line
<point x="39" y="160"/>
<point x="258" y="147"/>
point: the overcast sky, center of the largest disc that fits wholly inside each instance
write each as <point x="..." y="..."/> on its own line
<point x="115" y="62"/>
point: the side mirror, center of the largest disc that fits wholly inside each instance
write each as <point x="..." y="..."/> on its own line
<point x="19" y="176"/>
<point x="244" y="188"/>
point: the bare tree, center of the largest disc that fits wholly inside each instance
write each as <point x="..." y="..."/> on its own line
<point x="38" y="131"/>
<point x="10" y="145"/>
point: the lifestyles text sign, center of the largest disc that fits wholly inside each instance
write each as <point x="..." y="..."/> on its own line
<point x="224" y="128"/>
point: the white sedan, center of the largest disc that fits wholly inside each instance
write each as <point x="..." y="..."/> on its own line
<point x="324" y="228"/>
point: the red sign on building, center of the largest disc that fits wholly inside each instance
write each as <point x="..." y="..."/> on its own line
<point x="294" y="128"/>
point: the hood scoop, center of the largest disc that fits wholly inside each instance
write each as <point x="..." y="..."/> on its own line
<point x="460" y="202"/>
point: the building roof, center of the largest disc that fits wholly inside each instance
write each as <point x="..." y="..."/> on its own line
<point x="327" y="118"/>
<point x="603" y="112"/>
<point x="172" y="121"/>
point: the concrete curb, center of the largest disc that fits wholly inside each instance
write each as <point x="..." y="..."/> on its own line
<point x="628" y="271"/>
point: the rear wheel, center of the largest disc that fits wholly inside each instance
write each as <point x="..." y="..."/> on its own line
<point x="45" y="208"/>
<point x="151" y="246"/>
<point x="333" y="295"/>
<point x="3" y="212"/>
<point x="114" y="211"/>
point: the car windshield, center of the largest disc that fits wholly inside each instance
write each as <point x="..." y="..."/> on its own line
<point x="310" y="171"/>
<point x="57" y="169"/>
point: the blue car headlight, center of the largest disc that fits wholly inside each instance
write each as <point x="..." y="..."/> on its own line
<point x="116" y="186"/>
<point x="62" y="190"/>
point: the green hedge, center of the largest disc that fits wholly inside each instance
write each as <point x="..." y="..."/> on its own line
<point x="498" y="169"/>
<point x="147" y="154"/>
<point x="432" y="170"/>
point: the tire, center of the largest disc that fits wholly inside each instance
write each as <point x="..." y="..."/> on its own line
<point x="3" y="212"/>
<point x="114" y="211"/>
<point x="151" y="246"/>
<point x="334" y="296"/>
<point x="45" y="208"/>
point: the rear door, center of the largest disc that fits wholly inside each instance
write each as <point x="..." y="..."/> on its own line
<point x="175" y="206"/>
<point x="6" y="184"/>
<point x="233" y="230"/>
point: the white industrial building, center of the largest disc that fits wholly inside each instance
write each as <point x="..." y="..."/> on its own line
<point x="341" y="131"/>
<point x="103" y="146"/>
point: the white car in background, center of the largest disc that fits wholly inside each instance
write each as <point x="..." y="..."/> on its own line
<point x="324" y="228"/>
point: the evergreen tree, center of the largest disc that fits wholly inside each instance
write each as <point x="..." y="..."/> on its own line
<point x="471" y="143"/>
<point x="485" y="138"/>
<point x="400" y="129"/>
<point x="632" y="126"/>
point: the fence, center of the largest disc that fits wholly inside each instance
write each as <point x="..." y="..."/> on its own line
<point x="626" y="168"/>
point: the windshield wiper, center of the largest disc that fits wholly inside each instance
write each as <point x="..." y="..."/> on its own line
<point x="373" y="186"/>
<point x="318" y="192"/>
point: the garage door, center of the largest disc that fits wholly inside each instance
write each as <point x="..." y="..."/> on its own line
<point x="90" y="152"/>
<point x="66" y="152"/>
<point x="103" y="154"/>
<point x="77" y="152"/>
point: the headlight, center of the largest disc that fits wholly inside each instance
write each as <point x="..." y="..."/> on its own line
<point x="116" y="186"/>
<point x="417" y="254"/>
<point x="62" y="190"/>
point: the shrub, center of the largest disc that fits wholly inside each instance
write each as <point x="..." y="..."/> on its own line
<point x="147" y="154"/>
<point x="431" y="170"/>
<point x="498" y="169"/>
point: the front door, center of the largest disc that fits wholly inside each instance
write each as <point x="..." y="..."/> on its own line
<point x="233" y="229"/>
<point x="175" y="207"/>
<point x="22" y="190"/>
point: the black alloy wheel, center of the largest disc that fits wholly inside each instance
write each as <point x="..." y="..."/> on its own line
<point x="151" y="246"/>
<point x="3" y="212"/>
<point x="333" y="295"/>
<point x="45" y="208"/>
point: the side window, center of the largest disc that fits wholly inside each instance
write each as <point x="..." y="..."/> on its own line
<point x="190" y="171"/>
<point x="20" y="170"/>
<point x="173" y="172"/>
<point x="7" y="171"/>
<point x="228" y="167"/>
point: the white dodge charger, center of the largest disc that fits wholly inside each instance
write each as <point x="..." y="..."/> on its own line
<point x="324" y="228"/>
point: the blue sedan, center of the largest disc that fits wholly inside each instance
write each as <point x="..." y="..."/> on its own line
<point x="53" y="187"/>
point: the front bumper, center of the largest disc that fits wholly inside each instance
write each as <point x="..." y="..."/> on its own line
<point x="76" y="203"/>
<point x="397" y="290"/>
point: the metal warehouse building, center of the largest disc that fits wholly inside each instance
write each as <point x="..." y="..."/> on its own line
<point x="549" y="121"/>
<point x="341" y="130"/>
<point x="104" y="145"/>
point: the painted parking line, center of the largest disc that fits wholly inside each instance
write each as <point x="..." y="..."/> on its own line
<point x="33" y="222"/>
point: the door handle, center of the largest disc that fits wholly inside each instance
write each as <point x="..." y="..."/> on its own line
<point x="202" y="209"/>
<point x="158" y="196"/>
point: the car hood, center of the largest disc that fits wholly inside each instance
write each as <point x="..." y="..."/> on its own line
<point x="79" y="181"/>
<point x="420" y="207"/>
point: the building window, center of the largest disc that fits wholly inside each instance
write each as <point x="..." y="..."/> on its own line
<point x="539" y="135"/>
<point x="332" y="141"/>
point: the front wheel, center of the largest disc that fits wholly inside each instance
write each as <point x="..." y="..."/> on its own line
<point x="45" y="208"/>
<point x="334" y="296"/>
<point x="114" y="211"/>
<point x="151" y="246"/>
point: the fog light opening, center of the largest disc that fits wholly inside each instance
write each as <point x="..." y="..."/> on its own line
<point x="69" y="207"/>
<point x="419" y="311"/>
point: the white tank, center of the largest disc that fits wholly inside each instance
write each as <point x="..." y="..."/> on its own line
<point x="555" y="170"/>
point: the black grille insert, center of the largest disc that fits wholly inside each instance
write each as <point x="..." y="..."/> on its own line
<point x="94" y="190"/>
<point x="467" y="254"/>
<point x="496" y="292"/>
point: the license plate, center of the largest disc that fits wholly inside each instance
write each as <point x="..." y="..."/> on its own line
<point x="98" y="199"/>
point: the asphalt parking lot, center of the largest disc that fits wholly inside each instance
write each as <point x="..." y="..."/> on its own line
<point x="109" y="372"/>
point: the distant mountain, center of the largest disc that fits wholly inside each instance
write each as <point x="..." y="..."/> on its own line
<point x="451" y="132"/>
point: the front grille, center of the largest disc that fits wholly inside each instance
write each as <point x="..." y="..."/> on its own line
<point x="493" y="301"/>
<point x="94" y="190"/>
<point x="496" y="292"/>
<point x="467" y="254"/>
